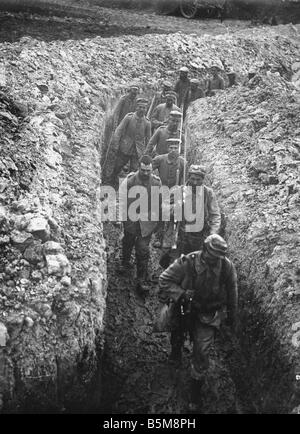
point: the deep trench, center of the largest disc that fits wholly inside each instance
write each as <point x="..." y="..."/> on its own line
<point x="136" y="377"/>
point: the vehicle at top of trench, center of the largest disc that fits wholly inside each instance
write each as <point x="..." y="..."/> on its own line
<point x="192" y="8"/>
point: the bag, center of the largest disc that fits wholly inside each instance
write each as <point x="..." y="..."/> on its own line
<point x="163" y="321"/>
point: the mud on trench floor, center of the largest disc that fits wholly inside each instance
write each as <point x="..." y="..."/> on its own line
<point x="136" y="375"/>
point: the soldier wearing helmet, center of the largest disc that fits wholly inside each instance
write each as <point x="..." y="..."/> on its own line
<point x="202" y="289"/>
<point x="126" y="104"/>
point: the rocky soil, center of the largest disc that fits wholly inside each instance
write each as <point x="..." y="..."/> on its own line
<point x="54" y="93"/>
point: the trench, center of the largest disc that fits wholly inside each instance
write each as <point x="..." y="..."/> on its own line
<point x="136" y="376"/>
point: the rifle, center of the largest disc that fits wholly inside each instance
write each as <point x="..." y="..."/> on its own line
<point x="176" y="224"/>
<point x="151" y="107"/>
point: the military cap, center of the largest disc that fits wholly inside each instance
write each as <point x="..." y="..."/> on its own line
<point x="134" y="86"/>
<point x="167" y="84"/>
<point x="173" y="141"/>
<point x="183" y="69"/>
<point x="197" y="169"/>
<point x="216" y="245"/>
<point x="195" y="81"/>
<point x="171" y="94"/>
<point x="175" y="114"/>
<point x="141" y="101"/>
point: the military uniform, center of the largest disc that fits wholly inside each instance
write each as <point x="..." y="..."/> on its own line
<point x="130" y="139"/>
<point x="167" y="169"/>
<point x="191" y="241"/>
<point x="161" y="115"/>
<point x="125" y="105"/>
<point x="137" y="233"/>
<point x="195" y="94"/>
<point x="210" y="289"/>
<point x="215" y="83"/>
<point x="158" y="142"/>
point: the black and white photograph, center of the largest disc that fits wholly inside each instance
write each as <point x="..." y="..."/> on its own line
<point x="149" y="210"/>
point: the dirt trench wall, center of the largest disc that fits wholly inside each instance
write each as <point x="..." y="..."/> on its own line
<point x="52" y="257"/>
<point x="248" y="137"/>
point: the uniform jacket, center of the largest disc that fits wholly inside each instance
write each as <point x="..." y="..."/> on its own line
<point x="212" y="215"/>
<point x="132" y="135"/>
<point x="161" y="114"/>
<point x="182" y="89"/>
<point x="167" y="169"/>
<point x="146" y="225"/>
<point x="193" y="95"/>
<point x="212" y="288"/>
<point x="125" y="105"/>
<point x="216" y="83"/>
<point x="158" y="142"/>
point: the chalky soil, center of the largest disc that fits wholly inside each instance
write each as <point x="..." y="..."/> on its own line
<point x="74" y="335"/>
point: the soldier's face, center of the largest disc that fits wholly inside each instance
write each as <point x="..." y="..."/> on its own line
<point x="141" y="109"/>
<point x="133" y="93"/>
<point x="173" y="151"/>
<point x="145" y="170"/>
<point x="196" y="180"/>
<point x="183" y="75"/>
<point x="169" y="101"/>
<point x="173" y="123"/>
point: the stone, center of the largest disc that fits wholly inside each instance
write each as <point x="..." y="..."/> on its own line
<point x="66" y="281"/>
<point x="40" y="228"/>
<point x="34" y="253"/>
<point x="22" y="206"/>
<point x="4" y="240"/>
<point x="21" y="240"/>
<point x="3" y="215"/>
<point x="36" y="275"/>
<point x="28" y="322"/>
<point x="58" y="264"/>
<point x="52" y="248"/>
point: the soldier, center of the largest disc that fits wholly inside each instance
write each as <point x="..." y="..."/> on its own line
<point x="162" y="112"/>
<point x="158" y="142"/>
<point x="131" y="137"/>
<point x="209" y="213"/>
<point x="138" y="233"/>
<point x="195" y="91"/>
<point x="182" y="86"/>
<point x="170" y="168"/>
<point x="199" y="286"/>
<point x="216" y="82"/>
<point x="126" y="104"/>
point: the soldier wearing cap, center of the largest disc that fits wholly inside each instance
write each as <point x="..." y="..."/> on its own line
<point x="201" y="285"/>
<point x="138" y="231"/>
<point x="131" y="137"/>
<point x="162" y="112"/>
<point x="216" y="82"/>
<point x="182" y="87"/>
<point x="170" y="168"/>
<point x="126" y="104"/>
<point x="158" y="142"/>
<point x="209" y="215"/>
<point x="195" y="91"/>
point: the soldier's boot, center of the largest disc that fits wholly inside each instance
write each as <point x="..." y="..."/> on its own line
<point x="175" y="357"/>
<point x="142" y="272"/>
<point x="196" y="401"/>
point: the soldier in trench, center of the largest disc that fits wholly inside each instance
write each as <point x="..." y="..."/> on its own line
<point x="138" y="232"/>
<point x="170" y="169"/>
<point x="195" y="91"/>
<point x="157" y="145"/>
<point x="162" y="112"/>
<point x="192" y="233"/>
<point x="126" y="104"/>
<point x="160" y="97"/>
<point x="215" y="83"/>
<point x="182" y="87"/>
<point x="130" y="139"/>
<point x="198" y="288"/>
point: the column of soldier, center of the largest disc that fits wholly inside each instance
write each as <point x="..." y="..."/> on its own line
<point x="198" y="288"/>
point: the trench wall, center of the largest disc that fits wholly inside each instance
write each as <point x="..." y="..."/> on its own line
<point x="248" y="137"/>
<point x="53" y="264"/>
